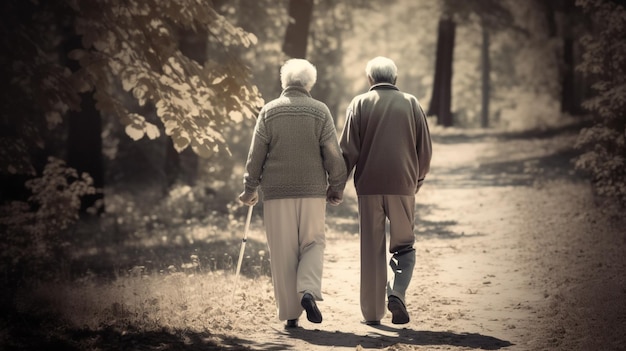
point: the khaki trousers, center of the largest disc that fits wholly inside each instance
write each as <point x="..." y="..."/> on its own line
<point x="374" y="210"/>
<point x="295" y="230"/>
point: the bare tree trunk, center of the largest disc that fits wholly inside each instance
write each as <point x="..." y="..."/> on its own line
<point x="295" y="43"/>
<point x="84" y="139"/>
<point x="573" y="84"/>
<point x="486" y="84"/>
<point x="441" y="101"/>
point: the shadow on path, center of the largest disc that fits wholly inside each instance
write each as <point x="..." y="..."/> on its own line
<point x="387" y="336"/>
<point x="519" y="172"/>
<point x="33" y="332"/>
<point x="480" y="135"/>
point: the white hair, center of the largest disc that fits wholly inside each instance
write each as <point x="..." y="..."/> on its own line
<point x="298" y="72"/>
<point x="382" y="70"/>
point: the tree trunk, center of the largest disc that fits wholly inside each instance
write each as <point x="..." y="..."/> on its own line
<point x="486" y="84"/>
<point x="568" y="92"/>
<point x="297" y="33"/>
<point x="441" y="100"/>
<point x="572" y="84"/>
<point x="84" y="147"/>
<point x="84" y="139"/>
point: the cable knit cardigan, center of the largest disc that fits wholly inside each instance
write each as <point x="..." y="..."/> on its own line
<point x="295" y="150"/>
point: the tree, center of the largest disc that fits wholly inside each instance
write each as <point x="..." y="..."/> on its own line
<point x="486" y="83"/>
<point x="192" y="44"/>
<point x="604" y="143"/>
<point x="84" y="135"/>
<point x="491" y="16"/>
<point x="296" y="36"/>
<point x="566" y="23"/>
<point x="134" y="43"/>
<point x="128" y="48"/>
<point x="332" y="20"/>
<point x="441" y="100"/>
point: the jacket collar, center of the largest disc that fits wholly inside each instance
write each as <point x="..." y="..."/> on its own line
<point x="295" y="90"/>
<point x="383" y="86"/>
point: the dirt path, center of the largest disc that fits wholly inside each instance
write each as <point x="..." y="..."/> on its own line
<point x="510" y="256"/>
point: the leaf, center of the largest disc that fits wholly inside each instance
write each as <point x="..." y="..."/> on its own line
<point x="152" y="131"/>
<point x="236" y="116"/>
<point x="53" y="118"/>
<point x="170" y="126"/>
<point x="204" y="150"/>
<point x="218" y="80"/>
<point x="129" y="80"/>
<point x="253" y="39"/>
<point x="76" y="54"/>
<point x="181" y="141"/>
<point x="134" y="131"/>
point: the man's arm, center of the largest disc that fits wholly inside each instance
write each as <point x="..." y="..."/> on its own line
<point x="424" y="145"/>
<point x="350" y="139"/>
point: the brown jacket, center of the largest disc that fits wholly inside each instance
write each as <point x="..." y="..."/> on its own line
<point x="386" y="139"/>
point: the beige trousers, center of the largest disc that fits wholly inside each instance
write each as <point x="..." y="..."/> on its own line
<point x="374" y="210"/>
<point x="295" y="230"/>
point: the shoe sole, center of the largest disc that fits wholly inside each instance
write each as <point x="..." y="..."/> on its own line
<point x="399" y="314"/>
<point x="371" y="323"/>
<point x="313" y="314"/>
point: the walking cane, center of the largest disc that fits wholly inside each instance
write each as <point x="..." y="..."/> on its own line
<point x="243" y="246"/>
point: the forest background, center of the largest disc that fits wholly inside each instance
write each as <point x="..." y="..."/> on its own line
<point x="128" y="122"/>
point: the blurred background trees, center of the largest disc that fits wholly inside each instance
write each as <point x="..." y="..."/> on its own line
<point x="144" y="109"/>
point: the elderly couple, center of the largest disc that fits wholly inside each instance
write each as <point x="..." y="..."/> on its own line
<point x="297" y="160"/>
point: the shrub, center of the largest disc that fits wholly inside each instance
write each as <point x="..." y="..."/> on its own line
<point x="604" y="144"/>
<point x="35" y="230"/>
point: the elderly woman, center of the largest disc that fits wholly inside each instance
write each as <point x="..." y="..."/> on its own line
<point x="295" y="159"/>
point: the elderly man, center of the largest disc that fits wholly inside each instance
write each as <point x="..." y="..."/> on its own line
<point x="296" y="160"/>
<point x="387" y="141"/>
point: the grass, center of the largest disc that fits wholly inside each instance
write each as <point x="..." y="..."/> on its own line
<point x="171" y="307"/>
<point x="141" y="294"/>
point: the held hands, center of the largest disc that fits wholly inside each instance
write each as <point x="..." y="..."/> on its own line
<point x="334" y="197"/>
<point x="249" y="199"/>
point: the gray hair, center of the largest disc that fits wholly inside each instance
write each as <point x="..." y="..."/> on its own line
<point x="382" y="70"/>
<point x="298" y="72"/>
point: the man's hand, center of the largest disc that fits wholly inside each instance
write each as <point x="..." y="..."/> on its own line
<point x="419" y="185"/>
<point x="249" y="199"/>
<point x="334" y="197"/>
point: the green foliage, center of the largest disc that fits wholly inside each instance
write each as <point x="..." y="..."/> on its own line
<point x="33" y="239"/>
<point x="604" y="143"/>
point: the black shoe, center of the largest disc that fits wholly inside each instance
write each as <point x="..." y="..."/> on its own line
<point x="399" y="314"/>
<point x="291" y="323"/>
<point x="313" y="314"/>
<point x="371" y="322"/>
